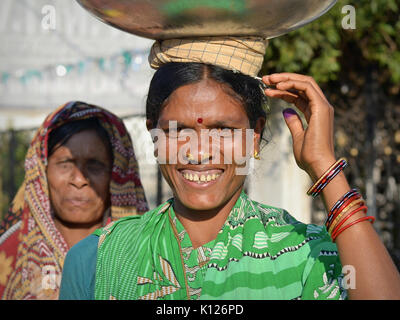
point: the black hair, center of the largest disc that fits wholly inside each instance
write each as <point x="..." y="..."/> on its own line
<point x="171" y="76"/>
<point x="60" y="136"/>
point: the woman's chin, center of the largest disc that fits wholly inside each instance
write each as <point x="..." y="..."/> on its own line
<point x="201" y="202"/>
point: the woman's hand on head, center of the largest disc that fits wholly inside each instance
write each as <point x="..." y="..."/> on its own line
<point x="313" y="146"/>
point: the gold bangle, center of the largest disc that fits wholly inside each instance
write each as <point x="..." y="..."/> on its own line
<point x="345" y="210"/>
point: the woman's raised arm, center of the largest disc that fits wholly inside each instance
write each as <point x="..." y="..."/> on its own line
<point x="359" y="246"/>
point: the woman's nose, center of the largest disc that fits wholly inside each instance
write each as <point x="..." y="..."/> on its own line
<point x="199" y="157"/>
<point x="201" y="148"/>
<point x="202" y="152"/>
<point x="78" y="178"/>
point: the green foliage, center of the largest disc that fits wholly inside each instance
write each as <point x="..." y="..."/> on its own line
<point x="15" y="176"/>
<point x="321" y="48"/>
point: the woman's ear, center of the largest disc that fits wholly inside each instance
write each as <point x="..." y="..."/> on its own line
<point x="149" y="124"/>
<point x="258" y="130"/>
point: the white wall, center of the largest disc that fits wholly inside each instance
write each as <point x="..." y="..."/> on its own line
<point x="78" y="40"/>
<point x="79" y="37"/>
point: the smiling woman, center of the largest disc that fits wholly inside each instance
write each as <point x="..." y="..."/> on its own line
<point x="210" y="241"/>
<point x="81" y="173"/>
<point x="225" y="102"/>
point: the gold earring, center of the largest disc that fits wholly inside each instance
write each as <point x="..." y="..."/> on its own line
<point x="256" y="155"/>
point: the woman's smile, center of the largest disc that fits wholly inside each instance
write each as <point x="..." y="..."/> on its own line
<point x="209" y="180"/>
<point x="201" y="177"/>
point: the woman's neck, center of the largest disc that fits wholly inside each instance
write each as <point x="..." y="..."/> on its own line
<point x="203" y="226"/>
<point x="73" y="233"/>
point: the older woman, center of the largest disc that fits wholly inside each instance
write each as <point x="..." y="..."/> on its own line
<point x="81" y="173"/>
<point x="210" y="241"/>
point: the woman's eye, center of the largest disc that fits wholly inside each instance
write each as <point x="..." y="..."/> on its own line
<point x="65" y="165"/>
<point x="96" y="166"/>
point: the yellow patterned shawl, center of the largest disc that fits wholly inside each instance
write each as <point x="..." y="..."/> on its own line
<point x="32" y="250"/>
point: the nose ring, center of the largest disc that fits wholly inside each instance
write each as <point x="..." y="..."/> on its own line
<point x="204" y="156"/>
<point x="189" y="156"/>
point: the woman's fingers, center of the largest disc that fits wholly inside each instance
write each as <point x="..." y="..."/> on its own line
<point x="312" y="144"/>
<point x="280" y="77"/>
<point x="308" y="97"/>
<point x="294" y="123"/>
<point x="296" y="99"/>
<point x="308" y="90"/>
<point x="282" y="94"/>
<point x="296" y="129"/>
<point x="301" y="94"/>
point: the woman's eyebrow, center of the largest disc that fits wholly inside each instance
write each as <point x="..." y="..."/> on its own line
<point x="172" y="123"/>
<point x="212" y="124"/>
<point x="222" y="123"/>
<point x="64" y="159"/>
<point x="226" y="123"/>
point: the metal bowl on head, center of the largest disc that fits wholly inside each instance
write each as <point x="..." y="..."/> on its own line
<point x="168" y="19"/>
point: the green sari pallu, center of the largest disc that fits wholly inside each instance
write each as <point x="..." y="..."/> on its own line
<point x="261" y="252"/>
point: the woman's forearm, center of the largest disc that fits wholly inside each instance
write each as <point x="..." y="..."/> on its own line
<point x="375" y="275"/>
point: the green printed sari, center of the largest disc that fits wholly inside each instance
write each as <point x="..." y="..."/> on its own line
<point x="261" y="252"/>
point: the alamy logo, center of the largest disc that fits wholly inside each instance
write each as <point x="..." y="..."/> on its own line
<point x="49" y="17"/>
<point x="349" y="20"/>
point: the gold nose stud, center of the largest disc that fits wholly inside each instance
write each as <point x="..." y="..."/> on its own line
<point x="204" y="156"/>
<point x="189" y="156"/>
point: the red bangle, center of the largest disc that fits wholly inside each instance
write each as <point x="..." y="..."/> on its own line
<point x="341" y="208"/>
<point x="353" y="205"/>
<point x="364" y="207"/>
<point x="353" y="223"/>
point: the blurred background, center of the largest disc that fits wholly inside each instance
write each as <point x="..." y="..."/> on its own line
<point x="53" y="51"/>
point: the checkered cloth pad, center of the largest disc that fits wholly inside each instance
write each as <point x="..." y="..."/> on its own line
<point x="243" y="54"/>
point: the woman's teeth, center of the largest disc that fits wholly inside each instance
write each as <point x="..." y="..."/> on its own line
<point x="201" y="178"/>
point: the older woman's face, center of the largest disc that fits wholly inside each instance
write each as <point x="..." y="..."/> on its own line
<point x="78" y="175"/>
<point x="204" y="175"/>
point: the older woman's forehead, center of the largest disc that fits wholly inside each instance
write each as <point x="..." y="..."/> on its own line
<point x="87" y="142"/>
